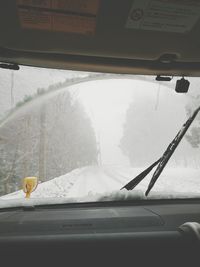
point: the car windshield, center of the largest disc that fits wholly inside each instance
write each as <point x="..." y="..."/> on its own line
<point x="71" y="136"/>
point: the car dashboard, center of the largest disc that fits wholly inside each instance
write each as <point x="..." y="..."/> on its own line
<point x="102" y="233"/>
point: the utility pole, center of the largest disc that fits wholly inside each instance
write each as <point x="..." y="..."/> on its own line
<point x="42" y="145"/>
<point x="11" y="89"/>
<point x="99" y="149"/>
<point x="27" y="130"/>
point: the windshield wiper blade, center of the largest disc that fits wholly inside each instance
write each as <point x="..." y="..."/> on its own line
<point x="135" y="181"/>
<point x="170" y="150"/>
<point x="163" y="160"/>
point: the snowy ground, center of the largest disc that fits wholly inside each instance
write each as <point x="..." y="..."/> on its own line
<point x="103" y="183"/>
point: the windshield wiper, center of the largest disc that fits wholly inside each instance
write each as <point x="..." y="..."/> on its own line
<point x="170" y="150"/>
<point x="132" y="184"/>
<point x="164" y="159"/>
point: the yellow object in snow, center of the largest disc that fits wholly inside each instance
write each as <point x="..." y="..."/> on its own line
<point x="29" y="185"/>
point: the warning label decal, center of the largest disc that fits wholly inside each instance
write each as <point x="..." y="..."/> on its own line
<point x="77" y="16"/>
<point x="35" y="3"/>
<point x="78" y="6"/>
<point x="164" y="15"/>
<point x="35" y="20"/>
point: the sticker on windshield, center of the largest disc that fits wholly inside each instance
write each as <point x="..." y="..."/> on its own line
<point x="167" y="16"/>
<point x="59" y="15"/>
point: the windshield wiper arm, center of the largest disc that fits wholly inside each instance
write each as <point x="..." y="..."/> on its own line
<point x="170" y="150"/>
<point x="132" y="184"/>
<point x="163" y="160"/>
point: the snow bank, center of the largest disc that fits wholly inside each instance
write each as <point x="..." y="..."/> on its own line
<point x="94" y="183"/>
<point x="57" y="187"/>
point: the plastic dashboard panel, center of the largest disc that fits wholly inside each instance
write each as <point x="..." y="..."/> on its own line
<point x="101" y="234"/>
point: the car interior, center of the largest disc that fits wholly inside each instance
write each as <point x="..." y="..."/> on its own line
<point x="134" y="37"/>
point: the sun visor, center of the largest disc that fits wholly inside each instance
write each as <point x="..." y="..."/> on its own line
<point x="59" y="16"/>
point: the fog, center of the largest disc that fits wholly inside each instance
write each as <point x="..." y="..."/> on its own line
<point x="106" y="102"/>
<point x="54" y="121"/>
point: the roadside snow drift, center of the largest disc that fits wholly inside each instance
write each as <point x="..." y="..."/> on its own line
<point x="103" y="183"/>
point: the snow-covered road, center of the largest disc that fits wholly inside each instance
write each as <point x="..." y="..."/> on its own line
<point x="96" y="183"/>
<point x="95" y="179"/>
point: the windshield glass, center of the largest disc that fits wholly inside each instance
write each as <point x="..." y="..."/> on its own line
<point x="82" y="136"/>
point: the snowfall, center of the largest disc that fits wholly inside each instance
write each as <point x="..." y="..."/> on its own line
<point x="103" y="183"/>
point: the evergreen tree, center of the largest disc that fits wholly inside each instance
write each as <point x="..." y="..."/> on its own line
<point x="47" y="137"/>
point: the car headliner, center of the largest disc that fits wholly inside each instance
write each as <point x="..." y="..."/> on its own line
<point x="112" y="48"/>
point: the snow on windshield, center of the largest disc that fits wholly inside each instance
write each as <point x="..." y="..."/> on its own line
<point x="85" y="135"/>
